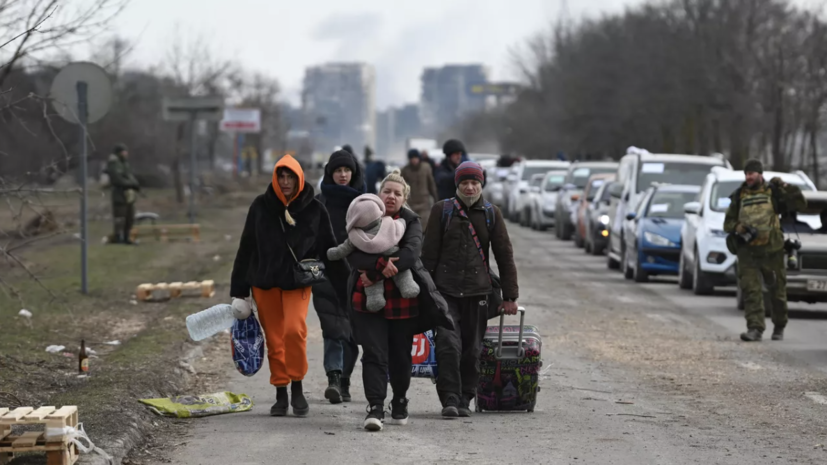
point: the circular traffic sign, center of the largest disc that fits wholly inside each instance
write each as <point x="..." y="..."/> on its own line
<point x="64" y="93"/>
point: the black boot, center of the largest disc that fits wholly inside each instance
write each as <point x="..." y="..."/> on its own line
<point x="778" y="333"/>
<point x="345" y="389"/>
<point x="333" y="393"/>
<point x="450" y="410"/>
<point x="279" y="409"/>
<point x="464" y="408"/>
<point x="753" y="335"/>
<point x="299" y="403"/>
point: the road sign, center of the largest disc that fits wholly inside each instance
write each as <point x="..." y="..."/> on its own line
<point x="493" y="88"/>
<point x="81" y="94"/>
<point x="64" y="92"/>
<point x="181" y="110"/>
<point x="241" y="120"/>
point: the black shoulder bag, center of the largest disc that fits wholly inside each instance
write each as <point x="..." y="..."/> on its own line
<point x="306" y="272"/>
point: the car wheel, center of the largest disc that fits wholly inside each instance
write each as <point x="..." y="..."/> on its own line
<point x="640" y="275"/>
<point x="700" y="282"/>
<point x="597" y="250"/>
<point x="628" y="272"/>
<point x="578" y="241"/>
<point x="587" y="246"/>
<point x="684" y="276"/>
<point x="565" y="231"/>
<point x="526" y="217"/>
<point x="611" y="263"/>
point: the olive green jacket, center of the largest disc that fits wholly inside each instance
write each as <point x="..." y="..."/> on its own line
<point x="121" y="180"/>
<point x="784" y="200"/>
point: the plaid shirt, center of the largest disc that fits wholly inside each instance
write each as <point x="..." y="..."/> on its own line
<point x="396" y="306"/>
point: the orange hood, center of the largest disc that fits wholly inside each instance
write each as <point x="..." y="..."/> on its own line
<point x="293" y="165"/>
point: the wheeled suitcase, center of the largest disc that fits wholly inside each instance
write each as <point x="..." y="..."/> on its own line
<point x="509" y="367"/>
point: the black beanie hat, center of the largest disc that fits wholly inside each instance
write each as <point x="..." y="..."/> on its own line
<point x="339" y="159"/>
<point x="754" y="166"/>
<point x="414" y="153"/>
<point x="453" y="146"/>
<point x="347" y="148"/>
<point x="119" y="148"/>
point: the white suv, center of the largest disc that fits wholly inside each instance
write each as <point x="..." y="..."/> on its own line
<point x="518" y="180"/>
<point x="705" y="261"/>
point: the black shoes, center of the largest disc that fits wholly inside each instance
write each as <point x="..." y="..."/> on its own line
<point x="778" y="333"/>
<point x="333" y="393"/>
<point x="753" y="335"/>
<point x="399" y="411"/>
<point x="344" y="384"/>
<point x="299" y="403"/>
<point x="451" y="408"/>
<point x="375" y="419"/>
<point x="279" y="409"/>
<point x="464" y="409"/>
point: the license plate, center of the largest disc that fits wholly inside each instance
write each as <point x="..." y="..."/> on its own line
<point x="817" y="286"/>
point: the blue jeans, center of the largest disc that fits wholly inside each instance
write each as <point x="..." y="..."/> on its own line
<point x="340" y="355"/>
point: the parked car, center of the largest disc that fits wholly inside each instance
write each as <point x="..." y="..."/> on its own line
<point x="542" y="209"/>
<point x="528" y="198"/>
<point x="576" y="179"/>
<point x="653" y="232"/>
<point x="598" y="222"/>
<point x="495" y="184"/>
<point x="518" y="179"/>
<point x="581" y="210"/>
<point x="705" y="260"/>
<point x="807" y="277"/>
<point x="638" y="171"/>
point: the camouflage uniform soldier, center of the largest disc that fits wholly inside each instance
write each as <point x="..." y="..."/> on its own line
<point x="124" y="190"/>
<point x="756" y="237"/>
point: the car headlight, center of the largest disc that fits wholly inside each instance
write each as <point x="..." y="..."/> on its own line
<point x="604" y="219"/>
<point x="657" y="239"/>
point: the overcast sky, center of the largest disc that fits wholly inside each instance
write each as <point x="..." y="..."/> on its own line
<point x="282" y="37"/>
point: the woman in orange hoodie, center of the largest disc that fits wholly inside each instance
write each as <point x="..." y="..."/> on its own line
<point x="284" y="226"/>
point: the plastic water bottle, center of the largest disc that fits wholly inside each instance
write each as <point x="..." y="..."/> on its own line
<point x="211" y="321"/>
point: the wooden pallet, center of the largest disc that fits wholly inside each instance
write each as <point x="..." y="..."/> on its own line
<point x="58" y="449"/>
<point x="162" y="232"/>
<point x="165" y="291"/>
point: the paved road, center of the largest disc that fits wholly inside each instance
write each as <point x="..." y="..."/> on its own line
<point x="633" y="374"/>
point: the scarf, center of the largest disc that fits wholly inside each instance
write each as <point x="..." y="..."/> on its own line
<point x="468" y="201"/>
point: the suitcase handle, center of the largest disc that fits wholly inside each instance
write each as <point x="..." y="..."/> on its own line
<point x="511" y="353"/>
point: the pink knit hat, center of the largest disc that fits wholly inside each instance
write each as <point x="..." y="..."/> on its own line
<point x="364" y="210"/>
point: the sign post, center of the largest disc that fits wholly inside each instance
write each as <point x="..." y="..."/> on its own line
<point x="81" y="93"/>
<point x="240" y="121"/>
<point x="192" y="110"/>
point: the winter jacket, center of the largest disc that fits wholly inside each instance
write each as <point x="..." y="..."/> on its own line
<point x="264" y="260"/>
<point x="433" y="310"/>
<point x="444" y="177"/>
<point x="123" y="183"/>
<point x="423" y="188"/>
<point x="334" y="315"/>
<point x="375" y="171"/>
<point x="452" y="257"/>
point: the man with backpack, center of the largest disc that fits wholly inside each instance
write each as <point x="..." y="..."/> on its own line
<point x="459" y="235"/>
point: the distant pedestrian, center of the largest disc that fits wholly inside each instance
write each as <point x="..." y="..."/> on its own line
<point x="386" y="336"/>
<point x="454" y="152"/>
<point x="285" y="226"/>
<point x="460" y="233"/>
<point x="375" y="170"/>
<point x="125" y="190"/>
<point x="427" y="159"/>
<point x="343" y="182"/>
<point x="419" y="176"/>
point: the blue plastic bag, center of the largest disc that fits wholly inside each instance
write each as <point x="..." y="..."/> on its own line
<point x="248" y="345"/>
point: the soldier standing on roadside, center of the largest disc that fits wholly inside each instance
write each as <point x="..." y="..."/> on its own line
<point x="124" y="191"/>
<point x="755" y="235"/>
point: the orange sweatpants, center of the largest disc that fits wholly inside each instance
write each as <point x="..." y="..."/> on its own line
<point x="283" y="316"/>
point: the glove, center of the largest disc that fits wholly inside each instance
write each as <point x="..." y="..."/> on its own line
<point x="242" y="309"/>
<point x="740" y="229"/>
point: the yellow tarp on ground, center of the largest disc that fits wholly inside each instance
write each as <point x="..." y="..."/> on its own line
<point x="200" y="406"/>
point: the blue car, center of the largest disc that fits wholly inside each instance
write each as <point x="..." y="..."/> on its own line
<point x="653" y="232"/>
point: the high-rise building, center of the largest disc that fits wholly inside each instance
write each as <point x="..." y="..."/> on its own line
<point x="339" y="104"/>
<point x="446" y="97"/>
